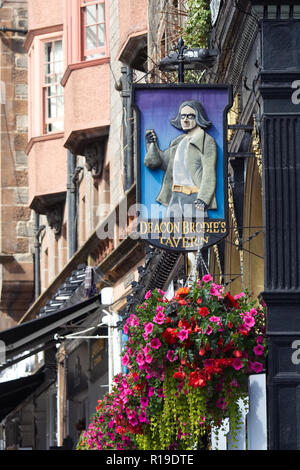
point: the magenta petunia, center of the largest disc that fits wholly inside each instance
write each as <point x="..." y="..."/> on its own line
<point x="133" y="320"/>
<point x="215" y="319"/>
<point x="155" y="343"/>
<point x="125" y="360"/>
<point x="140" y="358"/>
<point x="170" y="356"/>
<point x="221" y="403"/>
<point x="159" y="318"/>
<point x="183" y="334"/>
<point x="148" y="295"/>
<point x="237" y="364"/>
<point x="258" y="350"/>
<point x="148" y="359"/>
<point x="144" y="402"/>
<point x="256" y="366"/>
<point x="207" y="278"/>
<point x="249" y="321"/>
<point x="209" y="330"/>
<point x="142" y="417"/>
<point x="148" y="328"/>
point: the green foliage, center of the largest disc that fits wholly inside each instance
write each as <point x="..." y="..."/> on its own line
<point x="198" y="25"/>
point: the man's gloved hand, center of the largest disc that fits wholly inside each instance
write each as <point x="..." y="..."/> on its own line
<point x="151" y="136"/>
<point x="200" y="204"/>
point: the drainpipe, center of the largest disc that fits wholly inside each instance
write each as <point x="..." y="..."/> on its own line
<point x="124" y="87"/>
<point x="37" y="259"/>
<point x="71" y="197"/>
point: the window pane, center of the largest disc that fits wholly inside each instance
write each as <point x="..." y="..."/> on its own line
<point x="56" y="126"/>
<point x="58" y="51"/>
<point x="59" y="66"/>
<point x="91" y="42"/>
<point x="49" y="52"/>
<point x="51" y="107"/>
<point x="101" y="13"/>
<point x="101" y="35"/>
<point x="90" y="15"/>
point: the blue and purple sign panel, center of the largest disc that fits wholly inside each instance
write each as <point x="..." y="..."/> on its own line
<point x="182" y="164"/>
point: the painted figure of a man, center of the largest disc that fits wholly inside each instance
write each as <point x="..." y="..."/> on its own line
<point x="189" y="163"/>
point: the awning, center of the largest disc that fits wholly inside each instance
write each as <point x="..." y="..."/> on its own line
<point x="14" y="392"/>
<point x="40" y="331"/>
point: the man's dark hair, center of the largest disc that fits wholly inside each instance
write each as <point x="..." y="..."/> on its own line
<point x="201" y="118"/>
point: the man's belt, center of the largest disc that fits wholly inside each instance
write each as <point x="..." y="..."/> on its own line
<point x="178" y="188"/>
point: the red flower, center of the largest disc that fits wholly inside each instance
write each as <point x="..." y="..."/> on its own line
<point x="203" y="311"/>
<point x="229" y="324"/>
<point x="199" y="301"/>
<point x="179" y="375"/>
<point x="185" y="324"/>
<point x="237" y="353"/>
<point x="230" y="302"/>
<point x="202" y="351"/>
<point x="182" y="302"/>
<point x="170" y="335"/>
<point x="197" y="379"/>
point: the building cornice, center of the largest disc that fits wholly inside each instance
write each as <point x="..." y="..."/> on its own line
<point x="40" y="32"/>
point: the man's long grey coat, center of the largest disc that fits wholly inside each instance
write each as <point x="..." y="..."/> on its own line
<point x="202" y="159"/>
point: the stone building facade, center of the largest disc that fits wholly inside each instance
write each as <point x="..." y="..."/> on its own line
<point x="16" y="240"/>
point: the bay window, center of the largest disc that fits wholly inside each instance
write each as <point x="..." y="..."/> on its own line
<point x="93" y="14"/>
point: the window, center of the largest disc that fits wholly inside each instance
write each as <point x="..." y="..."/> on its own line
<point x="53" y="99"/>
<point x="93" y="28"/>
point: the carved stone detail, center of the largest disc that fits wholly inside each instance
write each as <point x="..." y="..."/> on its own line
<point x="94" y="155"/>
<point x="54" y="216"/>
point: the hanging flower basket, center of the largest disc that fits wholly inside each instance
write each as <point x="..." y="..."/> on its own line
<point x="188" y="362"/>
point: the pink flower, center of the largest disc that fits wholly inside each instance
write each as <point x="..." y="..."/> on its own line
<point x="170" y="356"/>
<point x="148" y="328"/>
<point x="140" y="358"/>
<point x="151" y="391"/>
<point x="148" y="295"/>
<point x="248" y="322"/>
<point x="146" y="349"/>
<point x="215" y="320"/>
<point x="209" y="330"/>
<point x="234" y="383"/>
<point x="148" y="359"/>
<point x="256" y="366"/>
<point x="259" y="339"/>
<point x="221" y="403"/>
<point x="133" y="320"/>
<point x="253" y="311"/>
<point x="238" y="296"/>
<point x="144" y="402"/>
<point x="159" y="318"/>
<point x="142" y="417"/>
<point x="125" y="329"/>
<point x="237" y="364"/>
<point x="125" y="360"/>
<point x="155" y="343"/>
<point x="183" y="334"/>
<point x="159" y="309"/>
<point x="207" y="278"/>
<point x="133" y="422"/>
<point x="161" y="292"/>
<point x="258" y="350"/>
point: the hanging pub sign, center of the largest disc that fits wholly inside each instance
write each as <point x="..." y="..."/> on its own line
<point x="182" y="164"/>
